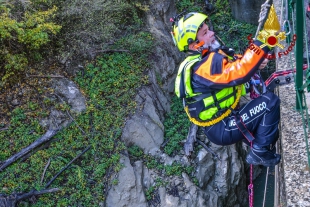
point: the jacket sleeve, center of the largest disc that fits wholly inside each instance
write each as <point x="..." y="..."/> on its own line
<point x="216" y="72"/>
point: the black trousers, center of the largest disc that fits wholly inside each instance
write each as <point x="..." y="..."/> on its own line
<point x="260" y="116"/>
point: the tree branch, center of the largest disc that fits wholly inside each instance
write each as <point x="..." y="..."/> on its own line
<point x="63" y="169"/>
<point x="46" y="137"/>
<point x="44" y="76"/>
<point x="13" y="199"/>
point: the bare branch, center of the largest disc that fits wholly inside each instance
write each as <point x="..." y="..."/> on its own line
<point x="44" y="76"/>
<point x="63" y="169"/>
<point x="46" y="137"/>
<point x="45" y="168"/>
<point x="13" y="199"/>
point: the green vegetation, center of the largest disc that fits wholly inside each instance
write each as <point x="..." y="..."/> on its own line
<point x="22" y="34"/>
<point x="109" y="83"/>
<point x="189" y="5"/>
<point x="175" y="169"/>
<point x="151" y="162"/>
<point x="176" y="127"/>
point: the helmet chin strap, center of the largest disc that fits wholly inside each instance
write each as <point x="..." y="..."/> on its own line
<point x="200" y="47"/>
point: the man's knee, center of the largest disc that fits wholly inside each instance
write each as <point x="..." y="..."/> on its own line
<point x="274" y="100"/>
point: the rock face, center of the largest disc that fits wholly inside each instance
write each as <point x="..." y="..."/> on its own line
<point x="246" y="10"/>
<point x="129" y="192"/>
<point x="220" y="182"/>
<point x="65" y="91"/>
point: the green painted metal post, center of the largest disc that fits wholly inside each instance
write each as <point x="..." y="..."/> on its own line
<point x="288" y="17"/>
<point x="299" y="52"/>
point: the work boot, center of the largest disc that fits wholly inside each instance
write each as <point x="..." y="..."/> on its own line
<point x="263" y="156"/>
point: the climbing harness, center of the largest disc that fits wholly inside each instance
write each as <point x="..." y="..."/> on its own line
<point x="219" y="118"/>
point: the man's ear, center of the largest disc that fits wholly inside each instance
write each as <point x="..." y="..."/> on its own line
<point x="191" y="46"/>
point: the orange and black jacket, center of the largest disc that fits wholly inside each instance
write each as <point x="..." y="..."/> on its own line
<point x="215" y="71"/>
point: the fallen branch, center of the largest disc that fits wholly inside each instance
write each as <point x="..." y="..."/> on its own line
<point x="42" y="147"/>
<point x="13" y="199"/>
<point x="44" y="171"/>
<point x="63" y="169"/>
<point x="46" y="137"/>
<point x="6" y="128"/>
<point x="44" y="76"/>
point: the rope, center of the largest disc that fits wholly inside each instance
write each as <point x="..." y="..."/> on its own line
<point x="281" y="14"/>
<point x="262" y="15"/>
<point x="251" y="185"/>
<point x="266" y="186"/>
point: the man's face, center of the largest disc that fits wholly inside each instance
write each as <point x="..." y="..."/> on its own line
<point x="207" y="36"/>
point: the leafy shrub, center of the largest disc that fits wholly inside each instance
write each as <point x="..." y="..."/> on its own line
<point x="190" y="5"/>
<point x="92" y="26"/>
<point x="21" y="37"/>
<point x="109" y="84"/>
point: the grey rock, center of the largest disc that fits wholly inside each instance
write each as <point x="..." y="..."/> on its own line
<point x="246" y="10"/>
<point x="205" y="168"/>
<point x="128" y="192"/>
<point x="15" y="102"/>
<point x="145" y="128"/>
<point x="69" y="93"/>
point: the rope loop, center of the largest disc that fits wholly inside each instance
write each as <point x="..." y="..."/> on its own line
<point x="263" y="11"/>
<point x="262" y="15"/>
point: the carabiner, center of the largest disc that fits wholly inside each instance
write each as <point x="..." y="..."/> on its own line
<point x="289" y="27"/>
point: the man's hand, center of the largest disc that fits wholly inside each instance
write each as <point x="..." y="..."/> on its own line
<point x="264" y="64"/>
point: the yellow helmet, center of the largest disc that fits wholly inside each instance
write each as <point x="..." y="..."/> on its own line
<point x="185" y="28"/>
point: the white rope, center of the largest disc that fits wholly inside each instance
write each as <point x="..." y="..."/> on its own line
<point x="266" y="186"/>
<point x="281" y="14"/>
<point x="262" y="15"/>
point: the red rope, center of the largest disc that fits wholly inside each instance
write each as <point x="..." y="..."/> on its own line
<point x="251" y="185"/>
